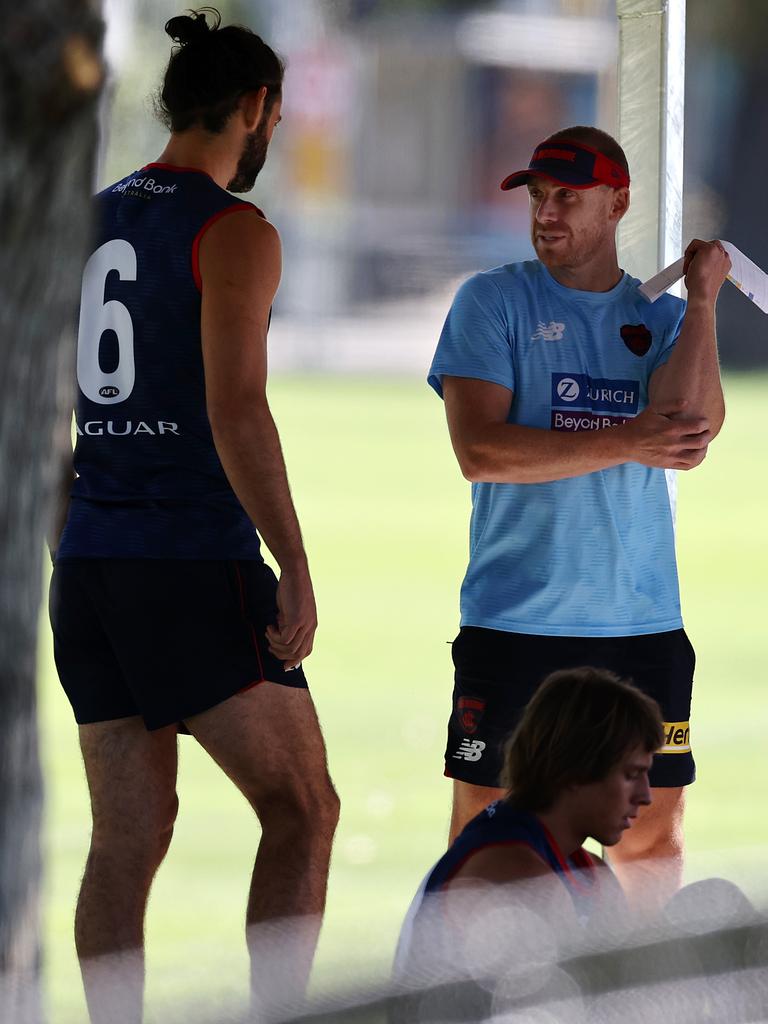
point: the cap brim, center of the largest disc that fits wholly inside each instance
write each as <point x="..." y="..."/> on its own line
<point x="515" y="179"/>
<point x="522" y="178"/>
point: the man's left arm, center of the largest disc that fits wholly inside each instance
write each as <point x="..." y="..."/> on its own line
<point x="692" y="372"/>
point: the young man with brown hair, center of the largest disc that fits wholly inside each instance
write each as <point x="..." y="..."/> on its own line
<point x="569" y="399"/>
<point x="575" y="767"/>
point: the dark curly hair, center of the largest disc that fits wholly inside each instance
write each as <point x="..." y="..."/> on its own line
<point x="211" y="69"/>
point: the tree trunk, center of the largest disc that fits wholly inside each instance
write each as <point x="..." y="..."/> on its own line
<point x="51" y="75"/>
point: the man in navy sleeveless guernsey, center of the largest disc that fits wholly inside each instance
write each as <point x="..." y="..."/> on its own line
<point x="576" y="767"/>
<point x="165" y="616"/>
<point x="568" y="396"/>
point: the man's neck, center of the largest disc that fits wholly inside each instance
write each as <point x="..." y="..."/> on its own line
<point x="568" y="837"/>
<point x="600" y="275"/>
<point x="202" y="152"/>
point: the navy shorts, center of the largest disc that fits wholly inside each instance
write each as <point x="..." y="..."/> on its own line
<point x="497" y="673"/>
<point x="161" y="638"/>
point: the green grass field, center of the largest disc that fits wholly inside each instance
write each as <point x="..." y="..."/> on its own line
<point x="384" y="511"/>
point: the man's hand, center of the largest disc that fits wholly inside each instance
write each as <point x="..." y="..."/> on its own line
<point x="292" y="637"/>
<point x="662" y="438"/>
<point x="706" y="266"/>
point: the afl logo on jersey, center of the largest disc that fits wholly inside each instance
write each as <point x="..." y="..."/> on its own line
<point x="109" y="391"/>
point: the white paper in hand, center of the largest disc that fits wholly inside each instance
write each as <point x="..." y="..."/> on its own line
<point x="745" y="274"/>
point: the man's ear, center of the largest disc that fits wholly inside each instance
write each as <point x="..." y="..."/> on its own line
<point x="620" y="203"/>
<point x="252" y="107"/>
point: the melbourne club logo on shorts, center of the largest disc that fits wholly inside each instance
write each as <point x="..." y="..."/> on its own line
<point x="581" y="402"/>
<point x="470" y="750"/>
<point x="469" y="711"/>
<point x="553" y="331"/>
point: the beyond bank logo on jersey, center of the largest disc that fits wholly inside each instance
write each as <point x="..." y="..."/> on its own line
<point x="581" y="402"/>
<point x="133" y="186"/>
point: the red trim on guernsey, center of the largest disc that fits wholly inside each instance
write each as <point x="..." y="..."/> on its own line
<point x="173" y="167"/>
<point x="590" y="866"/>
<point x="487" y="846"/>
<point x="253" y="631"/>
<point x="235" y="208"/>
<point x="193" y="170"/>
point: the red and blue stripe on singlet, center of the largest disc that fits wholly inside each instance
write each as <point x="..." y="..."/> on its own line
<point x="501" y="824"/>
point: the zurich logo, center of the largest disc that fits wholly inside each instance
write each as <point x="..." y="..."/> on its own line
<point x="568" y="389"/>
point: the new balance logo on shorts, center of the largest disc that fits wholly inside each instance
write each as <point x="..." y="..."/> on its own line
<point x="470" y="750"/>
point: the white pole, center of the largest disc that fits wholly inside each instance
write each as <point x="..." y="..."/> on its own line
<point x="651" y="120"/>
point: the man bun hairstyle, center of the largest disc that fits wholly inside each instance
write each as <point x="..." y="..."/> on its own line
<point x="211" y="69"/>
<point x="576" y="729"/>
<point x="188" y="27"/>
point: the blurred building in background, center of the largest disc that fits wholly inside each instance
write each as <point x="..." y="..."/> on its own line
<point x="399" y="121"/>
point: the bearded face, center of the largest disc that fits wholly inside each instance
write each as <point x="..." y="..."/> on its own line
<point x="251" y="159"/>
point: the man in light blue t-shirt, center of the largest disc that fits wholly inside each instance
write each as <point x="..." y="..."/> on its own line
<point x="570" y="401"/>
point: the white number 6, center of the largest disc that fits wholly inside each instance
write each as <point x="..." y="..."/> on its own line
<point x="98" y="316"/>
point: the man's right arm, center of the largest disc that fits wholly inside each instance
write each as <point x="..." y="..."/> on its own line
<point x="491" y="450"/>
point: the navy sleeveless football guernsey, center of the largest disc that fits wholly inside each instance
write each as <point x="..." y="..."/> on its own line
<point x="149" y="481"/>
<point x="502" y="824"/>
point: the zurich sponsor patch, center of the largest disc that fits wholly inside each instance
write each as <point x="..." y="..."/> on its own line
<point x="596" y="394"/>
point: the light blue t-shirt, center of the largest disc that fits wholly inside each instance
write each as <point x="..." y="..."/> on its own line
<point x="592" y="555"/>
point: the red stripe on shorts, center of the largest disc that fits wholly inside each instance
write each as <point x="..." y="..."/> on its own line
<point x="252" y="629"/>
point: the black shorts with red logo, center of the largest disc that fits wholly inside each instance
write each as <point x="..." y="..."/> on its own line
<point x="497" y="673"/>
<point x="162" y="638"/>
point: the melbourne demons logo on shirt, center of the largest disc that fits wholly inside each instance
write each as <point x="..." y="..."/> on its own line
<point x="581" y="402"/>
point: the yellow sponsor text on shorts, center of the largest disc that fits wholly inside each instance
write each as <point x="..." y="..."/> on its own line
<point x="677" y="738"/>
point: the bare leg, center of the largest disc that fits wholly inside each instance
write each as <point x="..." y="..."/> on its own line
<point x="648" y="860"/>
<point x="468" y="801"/>
<point x="132" y="781"/>
<point x="269" y="743"/>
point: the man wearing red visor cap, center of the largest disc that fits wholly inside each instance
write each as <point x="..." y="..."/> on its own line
<point x="570" y="401"/>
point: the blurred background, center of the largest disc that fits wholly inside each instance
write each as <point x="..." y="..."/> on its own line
<point x="399" y="121"/>
<point x="401" y="118"/>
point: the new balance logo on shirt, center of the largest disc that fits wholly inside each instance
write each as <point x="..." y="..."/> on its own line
<point x="553" y="331"/>
<point x="470" y="750"/>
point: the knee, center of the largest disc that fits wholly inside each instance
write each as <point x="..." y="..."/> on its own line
<point x="163" y="830"/>
<point x="663" y="839"/>
<point x="138" y="846"/>
<point x="300" y="811"/>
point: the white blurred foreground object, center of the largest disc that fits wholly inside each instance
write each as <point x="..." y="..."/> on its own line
<point x="745" y="274"/>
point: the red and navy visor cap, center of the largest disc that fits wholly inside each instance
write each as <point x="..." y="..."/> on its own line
<point x="571" y="164"/>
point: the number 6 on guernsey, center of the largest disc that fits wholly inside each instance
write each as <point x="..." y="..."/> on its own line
<point x="97" y="317"/>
